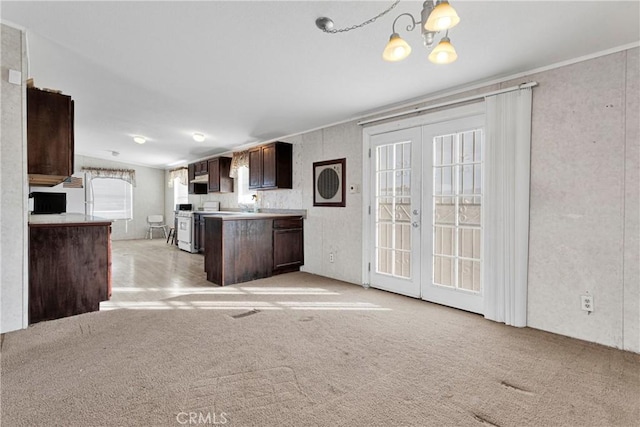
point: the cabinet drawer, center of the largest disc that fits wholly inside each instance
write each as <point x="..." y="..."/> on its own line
<point x="287" y="223"/>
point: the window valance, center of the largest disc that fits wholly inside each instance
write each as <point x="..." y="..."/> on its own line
<point x="180" y="173"/>
<point x="240" y="159"/>
<point x="128" y="175"/>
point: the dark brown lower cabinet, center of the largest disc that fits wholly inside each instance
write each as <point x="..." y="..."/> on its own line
<point x="240" y="250"/>
<point x="198" y="233"/>
<point x="69" y="269"/>
<point x="288" y="245"/>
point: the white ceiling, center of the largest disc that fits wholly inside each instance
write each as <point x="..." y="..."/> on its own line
<point x="245" y="72"/>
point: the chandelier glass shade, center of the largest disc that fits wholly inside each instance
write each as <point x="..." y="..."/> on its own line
<point x="443" y="17"/>
<point x="443" y="53"/>
<point x="397" y="49"/>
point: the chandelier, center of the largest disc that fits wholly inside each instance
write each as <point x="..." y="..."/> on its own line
<point x="433" y="19"/>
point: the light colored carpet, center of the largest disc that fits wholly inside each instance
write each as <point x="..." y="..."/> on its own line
<point x="302" y="350"/>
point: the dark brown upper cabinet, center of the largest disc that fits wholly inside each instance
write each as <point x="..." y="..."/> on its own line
<point x="219" y="180"/>
<point x="201" y="168"/>
<point x="49" y="137"/>
<point x="271" y="166"/>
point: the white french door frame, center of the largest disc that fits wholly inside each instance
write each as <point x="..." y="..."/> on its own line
<point x="470" y="110"/>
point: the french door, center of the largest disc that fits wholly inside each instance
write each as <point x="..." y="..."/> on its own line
<point x="426" y="212"/>
<point x="395" y="211"/>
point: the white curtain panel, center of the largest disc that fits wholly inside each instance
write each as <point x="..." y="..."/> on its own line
<point x="506" y="243"/>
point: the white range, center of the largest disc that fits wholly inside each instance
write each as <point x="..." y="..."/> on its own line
<point x="186" y="229"/>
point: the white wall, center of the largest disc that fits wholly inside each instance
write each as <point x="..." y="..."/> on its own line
<point x="148" y="196"/>
<point x="13" y="181"/>
<point x="584" y="201"/>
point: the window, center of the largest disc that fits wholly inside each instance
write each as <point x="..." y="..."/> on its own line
<point x="112" y="198"/>
<point x="245" y="196"/>
<point x="457" y="225"/>
<point x="180" y="192"/>
<point x="393" y="209"/>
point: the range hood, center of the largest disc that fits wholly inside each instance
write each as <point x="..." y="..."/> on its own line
<point x="200" y="179"/>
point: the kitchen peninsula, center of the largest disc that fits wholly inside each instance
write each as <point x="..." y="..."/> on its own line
<point x="69" y="265"/>
<point x="240" y="247"/>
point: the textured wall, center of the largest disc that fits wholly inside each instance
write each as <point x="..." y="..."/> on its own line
<point x="582" y="173"/>
<point x="148" y="196"/>
<point x="13" y="181"/>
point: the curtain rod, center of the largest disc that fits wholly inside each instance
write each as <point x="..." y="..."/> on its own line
<point x="445" y="104"/>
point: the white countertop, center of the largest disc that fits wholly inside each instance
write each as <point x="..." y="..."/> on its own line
<point x="266" y="213"/>
<point x="66" y="219"/>
<point x="227" y="215"/>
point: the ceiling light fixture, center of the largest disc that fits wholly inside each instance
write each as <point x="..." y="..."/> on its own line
<point x="140" y="139"/>
<point x="435" y="17"/>
<point x="198" y="137"/>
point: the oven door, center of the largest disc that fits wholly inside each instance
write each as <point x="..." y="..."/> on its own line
<point x="185" y="233"/>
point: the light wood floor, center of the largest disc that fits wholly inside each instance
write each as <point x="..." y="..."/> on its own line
<point x="151" y="270"/>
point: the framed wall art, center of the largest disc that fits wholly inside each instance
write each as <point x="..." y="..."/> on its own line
<point x="328" y="183"/>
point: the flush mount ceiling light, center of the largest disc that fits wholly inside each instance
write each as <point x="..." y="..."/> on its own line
<point x="433" y="19"/>
<point x="140" y="139"/>
<point x="198" y="137"/>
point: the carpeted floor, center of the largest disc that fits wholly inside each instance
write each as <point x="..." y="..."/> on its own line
<point x="302" y="350"/>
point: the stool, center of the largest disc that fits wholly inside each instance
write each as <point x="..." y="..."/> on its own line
<point x="172" y="236"/>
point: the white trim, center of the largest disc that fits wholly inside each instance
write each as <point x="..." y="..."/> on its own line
<point x="448" y="103"/>
<point x="428" y="119"/>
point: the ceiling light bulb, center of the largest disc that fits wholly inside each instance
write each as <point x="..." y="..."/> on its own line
<point x="198" y="137"/>
<point x="444" y="53"/>
<point x="396" y="50"/>
<point x="442" y="17"/>
<point x="140" y="139"/>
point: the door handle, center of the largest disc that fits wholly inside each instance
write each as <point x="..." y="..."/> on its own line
<point x="416" y="212"/>
<point x="415" y="224"/>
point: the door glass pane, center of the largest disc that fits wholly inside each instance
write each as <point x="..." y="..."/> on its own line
<point x="393" y="209"/>
<point x="403" y="237"/>
<point x="444" y="241"/>
<point x="469" y="211"/>
<point x="384" y="261"/>
<point x="443" y="180"/>
<point x="444" y="210"/>
<point x="443" y="271"/>
<point x="469" y="242"/>
<point x="469" y="275"/>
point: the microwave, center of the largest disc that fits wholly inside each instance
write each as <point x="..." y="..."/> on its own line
<point x="184" y="207"/>
<point x="48" y="203"/>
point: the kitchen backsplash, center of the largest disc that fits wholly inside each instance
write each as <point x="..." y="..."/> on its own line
<point x="268" y="199"/>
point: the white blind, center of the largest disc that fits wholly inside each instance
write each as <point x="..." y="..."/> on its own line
<point x="112" y="198"/>
<point x="508" y="150"/>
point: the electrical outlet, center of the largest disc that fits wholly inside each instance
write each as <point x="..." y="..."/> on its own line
<point x="332" y="257"/>
<point x="586" y="303"/>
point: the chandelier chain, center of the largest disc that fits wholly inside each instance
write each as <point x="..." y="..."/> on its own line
<point x="367" y="22"/>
